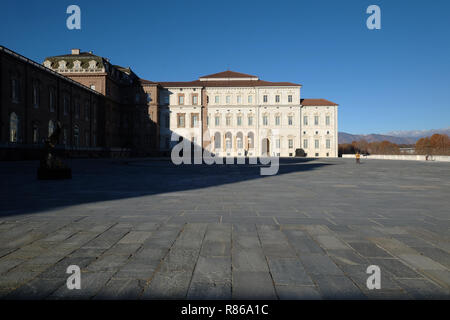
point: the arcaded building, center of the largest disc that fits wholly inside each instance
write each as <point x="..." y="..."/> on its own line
<point x="107" y="110"/>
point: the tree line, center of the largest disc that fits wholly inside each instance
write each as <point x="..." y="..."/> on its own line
<point x="437" y="144"/>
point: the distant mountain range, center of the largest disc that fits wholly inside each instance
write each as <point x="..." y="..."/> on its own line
<point x="398" y="137"/>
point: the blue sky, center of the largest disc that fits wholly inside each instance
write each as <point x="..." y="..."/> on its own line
<point x="396" y="78"/>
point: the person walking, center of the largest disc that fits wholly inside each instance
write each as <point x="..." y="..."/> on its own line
<point x="358" y="156"/>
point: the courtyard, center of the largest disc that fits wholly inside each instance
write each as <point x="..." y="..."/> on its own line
<point x="147" y="229"/>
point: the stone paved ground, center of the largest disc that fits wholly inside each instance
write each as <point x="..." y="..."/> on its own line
<point x="150" y="230"/>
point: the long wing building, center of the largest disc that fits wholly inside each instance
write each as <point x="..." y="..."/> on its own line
<point x="105" y="109"/>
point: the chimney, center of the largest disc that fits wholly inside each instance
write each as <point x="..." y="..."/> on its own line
<point x="75" y="51"/>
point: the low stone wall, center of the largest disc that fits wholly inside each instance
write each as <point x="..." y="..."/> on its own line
<point x="410" y="157"/>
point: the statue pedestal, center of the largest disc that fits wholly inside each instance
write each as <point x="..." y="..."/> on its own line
<point x="54" y="174"/>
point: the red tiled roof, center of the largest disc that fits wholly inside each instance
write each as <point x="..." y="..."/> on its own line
<point x="229" y="74"/>
<point x="229" y="83"/>
<point x="317" y="102"/>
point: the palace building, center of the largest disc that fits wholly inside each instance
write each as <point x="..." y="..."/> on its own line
<point x="107" y="110"/>
<point x="237" y="115"/>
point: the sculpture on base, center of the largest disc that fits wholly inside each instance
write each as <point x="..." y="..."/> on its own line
<point x="52" y="166"/>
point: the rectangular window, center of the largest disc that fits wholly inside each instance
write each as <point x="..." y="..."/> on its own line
<point x="277" y="98"/>
<point x="194" y="120"/>
<point x="305" y="143"/>
<point x="327" y="120"/>
<point x="51" y="100"/>
<point x="316" y="144"/>
<point x="316" y="120"/>
<point x="265" y="121"/>
<point x="250" y="120"/>
<point x="277" y="120"/>
<point x="216" y="99"/>
<point x="181" y="120"/>
<point x="305" y="120"/>
<point x="181" y="99"/>
<point x="217" y="120"/>
<point x="228" y="121"/>
<point x="250" y="99"/>
<point x="77" y="109"/>
<point x="239" y="120"/>
<point x="15" y="90"/>
<point x="228" y="99"/>
<point x="289" y="98"/>
<point x="278" y="144"/>
<point x="328" y="143"/>
<point x="239" y="100"/>
<point x="291" y="143"/>
<point x="265" y="98"/>
<point x="290" y="120"/>
<point x="195" y="99"/>
<point x="36" y="96"/>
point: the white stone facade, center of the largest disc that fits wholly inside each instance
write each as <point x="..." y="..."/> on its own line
<point x="243" y="120"/>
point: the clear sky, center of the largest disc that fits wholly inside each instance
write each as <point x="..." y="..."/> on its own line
<point x="396" y="78"/>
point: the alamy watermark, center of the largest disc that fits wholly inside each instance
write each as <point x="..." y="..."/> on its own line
<point x="187" y="151"/>
<point x="374" y="20"/>
<point x="374" y="280"/>
<point x="74" y="280"/>
<point x="74" y="20"/>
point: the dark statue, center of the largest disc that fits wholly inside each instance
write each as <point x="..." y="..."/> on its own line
<point x="52" y="165"/>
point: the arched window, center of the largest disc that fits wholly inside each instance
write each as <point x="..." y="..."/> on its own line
<point x="239" y="142"/>
<point x="217" y="140"/>
<point x="76" y="136"/>
<point x="251" y="140"/>
<point x="228" y="140"/>
<point x="13" y="128"/>
<point x="35" y="133"/>
<point x="51" y="127"/>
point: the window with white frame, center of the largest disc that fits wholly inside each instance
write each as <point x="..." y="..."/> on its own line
<point x="216" y="99"/>
<point x="250" y="120"/>
<point x="328" y="143"/>
<point x="277" y="98"/>
<point x="265" y="120"/>
<point x="305" y="143"/>
<point x="228" y="99"/>
<point x="316" y="120"/>
<point x="291" y="143"/>
<point x="316" y="144"/>
<point x="250" y="99"/>
<point x="217" y="120"/>
<point x="239" y="120"/>
<point x="265" y="98"/>
<point x="277" y="120"/>
<point x="327" y="120"/>
<point x="290" y="120"/>
<point x="290" y="98"/>
<point x="305" y="120"/>
<point x="238" y="99"/>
